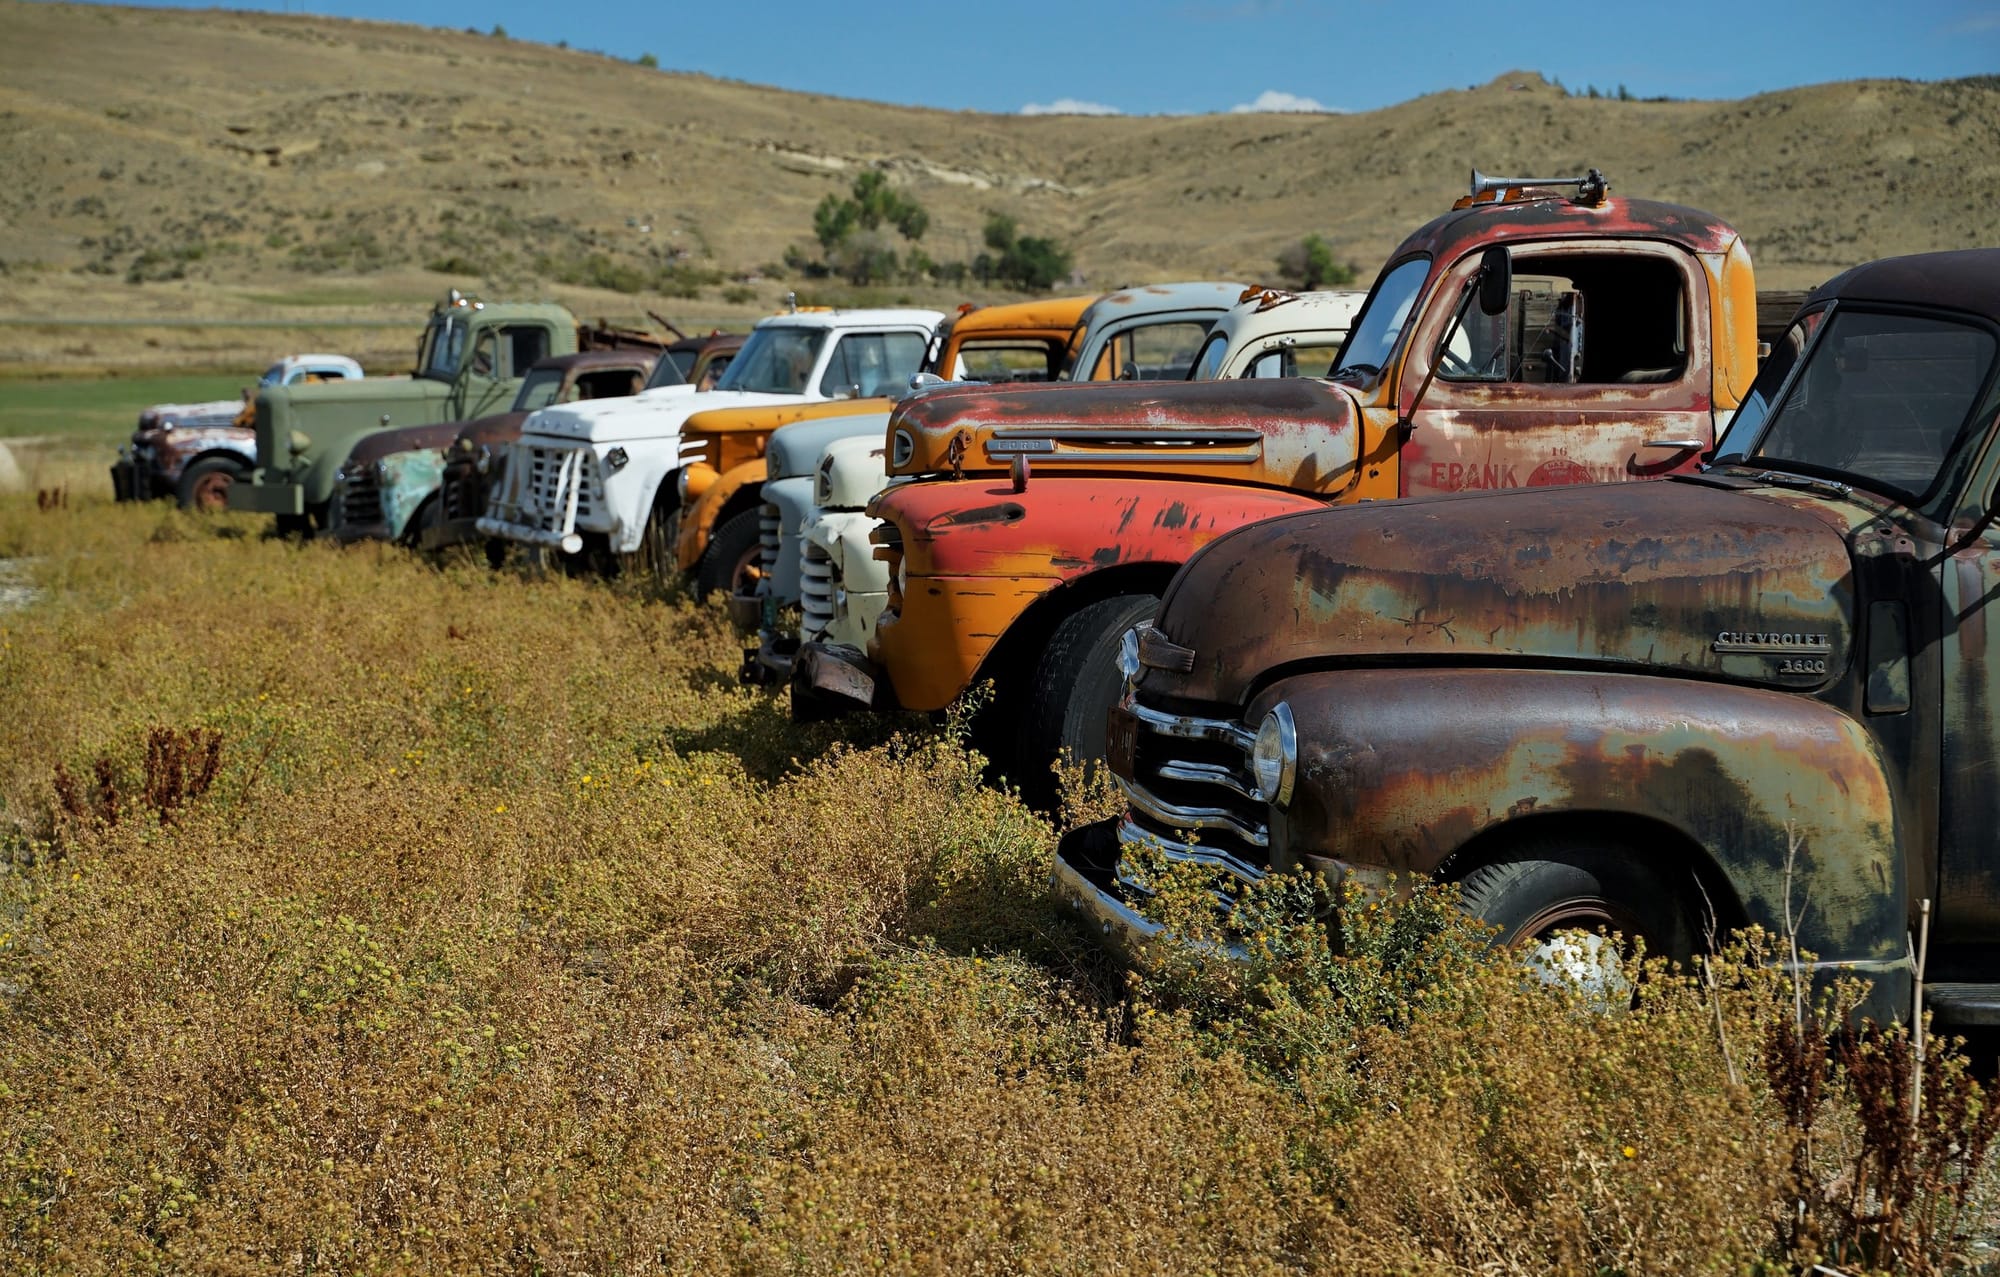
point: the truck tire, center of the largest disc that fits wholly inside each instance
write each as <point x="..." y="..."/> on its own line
<point x="204" y="486"/>
<point x="429" y="513"/>
<point x="732" y="558"/>
<point x="1074" y="686"/>
<point x="1546" y="885"/>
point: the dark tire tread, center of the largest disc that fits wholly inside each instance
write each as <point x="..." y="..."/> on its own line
<point x="1074" y="683"/>
<point x="1543" y="870"/>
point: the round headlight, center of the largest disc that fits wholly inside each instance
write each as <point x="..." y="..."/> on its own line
<point x="1128" y="655"/>
<point x="1275" y="757"/>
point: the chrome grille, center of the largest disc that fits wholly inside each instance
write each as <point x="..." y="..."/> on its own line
<point x="1192" y="793"/>
<point x="768" y="538"/>
<point x="463" y="493"/>
<point x="816" y="586"/>
<point x="360" y="501"/>
<point x="549" y="477"/>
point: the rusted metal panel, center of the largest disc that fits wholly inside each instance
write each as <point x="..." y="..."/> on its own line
<point x="1655" y="576"/>
<point x="1403" y="768"/>
<point x="977" y="554"/>
<point x="1470" y="433"/>
<point x="173" y="450"/>
<point x="1463" y="229"/>
<point x="1295" y="432"/>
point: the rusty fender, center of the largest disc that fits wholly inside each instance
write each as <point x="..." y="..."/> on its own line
<point x="978" y="555"/>
<point x="1430" y="771"/>
<point x="175" y="450"/>
<point x="698" y="522"/>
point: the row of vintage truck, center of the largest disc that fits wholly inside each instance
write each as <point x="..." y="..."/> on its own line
<point x="1365" y="587"/>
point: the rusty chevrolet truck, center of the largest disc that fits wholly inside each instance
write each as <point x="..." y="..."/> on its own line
<point x="1759" y="691"/>
<point x="1538" y="334"/>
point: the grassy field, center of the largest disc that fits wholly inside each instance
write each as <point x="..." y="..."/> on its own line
<point x="358" y="915"/>
<point x="91" y="412"/>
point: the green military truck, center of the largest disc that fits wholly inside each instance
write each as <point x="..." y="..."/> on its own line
<point x="470" y="362"/>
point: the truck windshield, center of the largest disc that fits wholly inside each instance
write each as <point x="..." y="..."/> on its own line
<point x="775" y="360"/>
<point x="272" y="375"/>
<point x="1381" y="321"/>
<point x="539" y="389"/>
<point x="1875" y="398"/>
<point x="444" y="346"/>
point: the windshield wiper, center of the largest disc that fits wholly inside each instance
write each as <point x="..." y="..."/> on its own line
<point x="1359" y="370"/>
<point x="1825" y="487"/>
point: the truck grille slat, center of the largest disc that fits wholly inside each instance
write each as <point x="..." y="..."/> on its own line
<point x="538" y="487"/>
<point x="1191" y="776"/>
<point x="360" y="502"/>
<point x="816" y="586"/>
<point x="768" y="538"/>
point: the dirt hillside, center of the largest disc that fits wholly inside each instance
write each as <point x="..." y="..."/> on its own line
<point x="175" y="164"/>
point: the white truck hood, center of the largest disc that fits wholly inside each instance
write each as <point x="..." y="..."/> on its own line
<point x="656" y="414"/>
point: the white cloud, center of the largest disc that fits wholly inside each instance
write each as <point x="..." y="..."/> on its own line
<point x="1069" y="106"/>
<point x="1273" y="100"/>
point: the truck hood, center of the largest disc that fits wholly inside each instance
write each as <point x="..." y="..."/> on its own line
<point x="1673" y="577"/>
<point x="434" y="437"/>
<point x="1297" y="432"/>
<point x="655" y="414"/>
<point x="796" y="449"/>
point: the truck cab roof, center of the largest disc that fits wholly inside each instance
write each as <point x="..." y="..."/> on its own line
<point x="1269" y="318"/>
<point x="1534" y="216"/>
<point x="883" y="317"/>
<point x="1965" y="280"/>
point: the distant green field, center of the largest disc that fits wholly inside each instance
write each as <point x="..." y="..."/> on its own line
<point x="92" y="412"/>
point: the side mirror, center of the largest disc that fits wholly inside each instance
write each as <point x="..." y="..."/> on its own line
<point x="1496" y="280"/>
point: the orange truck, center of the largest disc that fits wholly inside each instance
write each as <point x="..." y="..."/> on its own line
<point x="1539" y="333"/>
<point x="721" y="493"/>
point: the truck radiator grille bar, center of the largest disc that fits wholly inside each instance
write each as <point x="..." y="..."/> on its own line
<point x="816" y="587"/>
<point x="360" y="502"/>
<point x="768" y="539"/>
<point x="1192" y="792"/>
<point x="544" y="494"/>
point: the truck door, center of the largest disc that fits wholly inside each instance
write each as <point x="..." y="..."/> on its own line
<point x="501" y="356"/>
<point x="1895" y="397"/>
<point x="1598" y="371"/>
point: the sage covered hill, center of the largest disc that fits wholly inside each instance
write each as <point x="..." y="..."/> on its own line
<point x="174" y="162"/>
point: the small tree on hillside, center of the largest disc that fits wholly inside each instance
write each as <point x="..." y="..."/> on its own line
<point x="852" y="229"/>
<point x="1031" y="262"/>
<point x="1310" y="264"/>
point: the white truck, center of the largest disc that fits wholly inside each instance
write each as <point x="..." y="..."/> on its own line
<point x="600" y="476"/>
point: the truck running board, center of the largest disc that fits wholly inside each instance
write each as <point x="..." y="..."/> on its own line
<point x="1964" y="1003"/>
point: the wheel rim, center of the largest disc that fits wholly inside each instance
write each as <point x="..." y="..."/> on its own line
<point x="1569" y="944"/>
<point x="747" y="571"/>
<point x="211" y="490"/>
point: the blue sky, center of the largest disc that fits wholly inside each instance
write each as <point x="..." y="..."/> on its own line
<point x="1214" y="55"/>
